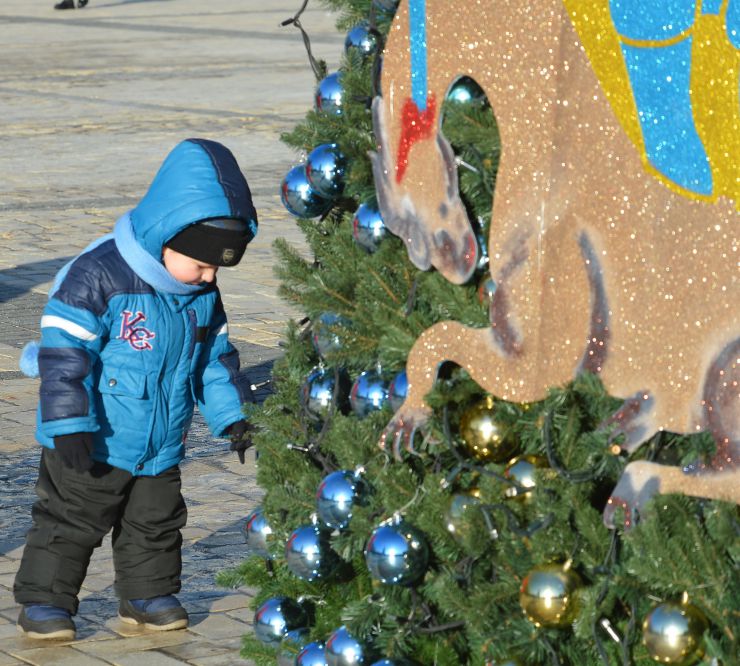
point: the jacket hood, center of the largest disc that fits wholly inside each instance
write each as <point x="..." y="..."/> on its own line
<point x="198" y="180"/>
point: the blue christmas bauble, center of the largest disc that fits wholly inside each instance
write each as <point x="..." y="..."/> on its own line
<point x="330" y="94"/>
<point x="361" y="40"/>
<point x="466" y="91"/>
<point x="388" y="6"/>
<point x="298" y="195"/>
<point x="393" y="662"/>
<point x="369" y="393"/>
<point x="292" y="643"/>
<point x="311" y="655"/>
<point x="398" y="390"/>
<point x="342" y="649"/>
<point x="276" y="617"/>
<point x="318" y="392"/>
<point x="336" y="496"/>
<point x="325" y="338"/>
<point x="397" y="554"/>
<point x="368" y="227"/>
<point x="486" y="291"/>
<point x="255" y="531"/>
<point x="325" y="168"/>
<point x="308" y="553"/>
<point x="483" y="260"/>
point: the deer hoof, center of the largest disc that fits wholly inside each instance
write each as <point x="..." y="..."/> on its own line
<point x="399" y="433"/>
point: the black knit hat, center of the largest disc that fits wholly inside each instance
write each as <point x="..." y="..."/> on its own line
<point x="219" y="242"/>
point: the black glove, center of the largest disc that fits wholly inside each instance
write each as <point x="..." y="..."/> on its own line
<point x="75" y="450"/>
<point x="240" y="434"/>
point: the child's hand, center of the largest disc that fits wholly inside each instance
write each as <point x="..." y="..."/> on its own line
<point x="240" y="434"/>
<point x="75" y="450"/>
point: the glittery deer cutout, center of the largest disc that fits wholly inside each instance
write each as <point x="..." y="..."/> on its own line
<point x="613" y="245"/>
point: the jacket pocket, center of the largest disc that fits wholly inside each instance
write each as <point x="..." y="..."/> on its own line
<point x="122" y="381"/>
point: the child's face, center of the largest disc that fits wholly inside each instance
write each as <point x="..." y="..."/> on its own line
<point x="186" y="269"/>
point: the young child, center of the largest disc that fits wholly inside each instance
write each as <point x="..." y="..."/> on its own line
<point x="133" y="336"/>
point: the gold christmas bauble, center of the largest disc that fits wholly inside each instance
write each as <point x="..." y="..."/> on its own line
<point x="547" y="595"/>
<point x="484" y="436"/>
<point x="457" y="516"/>
<point x="521" y="470"/>
<point x="672" y="633"/>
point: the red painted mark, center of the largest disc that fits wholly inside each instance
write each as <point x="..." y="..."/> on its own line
<point x="415" y="126"/>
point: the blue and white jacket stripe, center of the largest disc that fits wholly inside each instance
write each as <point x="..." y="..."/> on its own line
<point x="126" y="349"/>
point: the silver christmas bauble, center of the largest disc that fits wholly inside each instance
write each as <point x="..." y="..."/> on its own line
<point x="256" y="530"/>
<point x="292" y="643"/>
<point x="299" y="196"/>
<point x="276" y="617"/>
<point x="483" y="260"/>
<point x="330" y="94"/>
<point x="398" y="389"/>
<point x="325" y="168"/>
<point x="325" y="338"/>
<point x="368" y="228"/>
<point x="336" y="496"/>
<point x="342" y="649"/>
<point x="397" y="554"/>
<point x="308" y="553"/>
<point x="466" y="91"/>
<point x="311" y="655"/>
<point x="369" y="393"/>
<point x="317" y="393"/>
<point x="361" y="40"/>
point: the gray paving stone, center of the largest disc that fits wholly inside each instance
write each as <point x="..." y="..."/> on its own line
<point x="92" y="102"/>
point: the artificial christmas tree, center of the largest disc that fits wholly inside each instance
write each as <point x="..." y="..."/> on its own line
<point x="476" y="535"/>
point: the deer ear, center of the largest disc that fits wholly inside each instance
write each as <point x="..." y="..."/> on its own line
<point x="448" y="159"/>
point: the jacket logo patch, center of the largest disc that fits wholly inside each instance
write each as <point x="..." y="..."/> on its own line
<point x="137" y="336"/>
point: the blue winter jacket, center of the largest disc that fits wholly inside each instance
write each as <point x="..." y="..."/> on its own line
<point x="126" y="349"/>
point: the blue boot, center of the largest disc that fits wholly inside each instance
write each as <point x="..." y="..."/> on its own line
<point x="45" y="622"/>
<point x="159" y="613"/>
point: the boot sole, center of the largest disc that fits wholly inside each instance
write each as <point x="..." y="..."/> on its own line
<point x="180" y="623"/>
<point x="67" y="634"/>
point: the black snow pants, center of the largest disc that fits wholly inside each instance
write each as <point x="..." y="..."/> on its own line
<point x="73" y="513"/>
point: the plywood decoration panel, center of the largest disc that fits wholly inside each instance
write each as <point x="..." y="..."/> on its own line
<point x="614" y="234"/>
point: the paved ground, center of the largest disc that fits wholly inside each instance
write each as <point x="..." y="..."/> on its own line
<point x="92" y="101"/>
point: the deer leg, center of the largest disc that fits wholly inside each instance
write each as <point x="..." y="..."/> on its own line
<point x="634" y="421"/>
<point x="642" y="480"/>
<point x="475" y="350"/>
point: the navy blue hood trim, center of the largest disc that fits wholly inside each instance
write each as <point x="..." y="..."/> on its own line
<point x="231" y="179"/>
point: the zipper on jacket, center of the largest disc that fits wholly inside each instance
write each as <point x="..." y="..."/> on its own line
<point x="193" y="331"/>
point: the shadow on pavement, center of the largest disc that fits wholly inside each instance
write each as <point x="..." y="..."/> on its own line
<point x="19" y="280"/>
